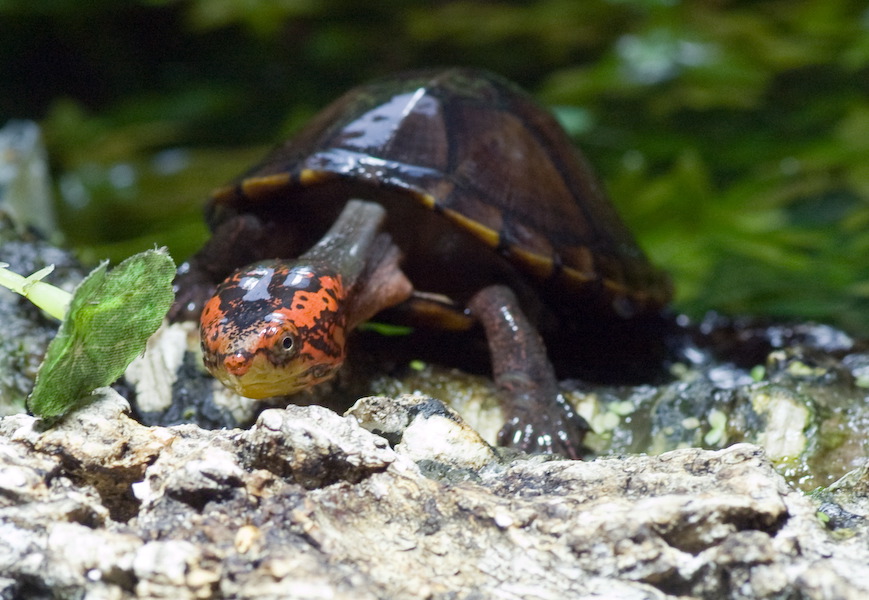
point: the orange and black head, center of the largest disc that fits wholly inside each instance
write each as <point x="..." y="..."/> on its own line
<point x="275" y="328"/>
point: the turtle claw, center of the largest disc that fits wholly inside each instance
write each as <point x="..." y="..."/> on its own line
<point x="554" y="428"/>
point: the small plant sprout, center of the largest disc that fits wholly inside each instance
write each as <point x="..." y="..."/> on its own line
<point x="49" y="298"/>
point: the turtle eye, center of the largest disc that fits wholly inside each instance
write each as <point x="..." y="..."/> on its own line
<point x="287" y="343"/>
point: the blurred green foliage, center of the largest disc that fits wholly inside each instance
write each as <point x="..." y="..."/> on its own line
<point x="733" y="135"/>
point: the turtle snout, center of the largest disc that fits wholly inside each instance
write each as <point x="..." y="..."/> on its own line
<point x="237" y="364"/>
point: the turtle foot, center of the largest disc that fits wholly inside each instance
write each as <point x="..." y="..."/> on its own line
<point x="547" y="427"/>
<point x="539" y="419"/>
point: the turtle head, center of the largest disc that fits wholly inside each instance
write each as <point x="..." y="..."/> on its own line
<point x="275" y="328"/>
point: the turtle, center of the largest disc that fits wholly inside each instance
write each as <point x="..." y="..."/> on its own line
<point x="445" y="198"/>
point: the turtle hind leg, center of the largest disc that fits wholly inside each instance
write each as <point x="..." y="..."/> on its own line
<point x="539" y="419"/>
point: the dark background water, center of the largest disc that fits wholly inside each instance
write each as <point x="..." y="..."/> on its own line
<point x="733" y="136"/>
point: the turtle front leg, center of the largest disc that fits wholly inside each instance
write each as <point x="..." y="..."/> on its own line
<point x="238" y="241"/>
<point x="235" y="243"/>
<point x="539" y="419"/>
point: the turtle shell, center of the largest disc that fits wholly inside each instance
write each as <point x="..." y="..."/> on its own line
<point x="481" y="184"/>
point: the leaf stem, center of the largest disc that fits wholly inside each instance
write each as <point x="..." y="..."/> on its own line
<point x="49" y="298"/>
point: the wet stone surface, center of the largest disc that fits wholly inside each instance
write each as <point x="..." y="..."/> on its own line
<point x="309" y="504"/>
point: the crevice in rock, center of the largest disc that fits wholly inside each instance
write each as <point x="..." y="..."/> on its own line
<point x="694" y="538"/>
<point x="32" y="587"/>
<point x="198" y="499"/>
<point x="114" y="485"/>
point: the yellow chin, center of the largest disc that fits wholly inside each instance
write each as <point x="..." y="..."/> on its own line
<point x="265" y="380"/>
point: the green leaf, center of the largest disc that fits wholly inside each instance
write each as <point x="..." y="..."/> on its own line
<point x="110" y="319"/>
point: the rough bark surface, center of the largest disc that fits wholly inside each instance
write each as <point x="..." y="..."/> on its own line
<point x="310" y="504"/>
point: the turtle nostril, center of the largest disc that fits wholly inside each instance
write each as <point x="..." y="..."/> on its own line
<point x="237" y="364"/>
